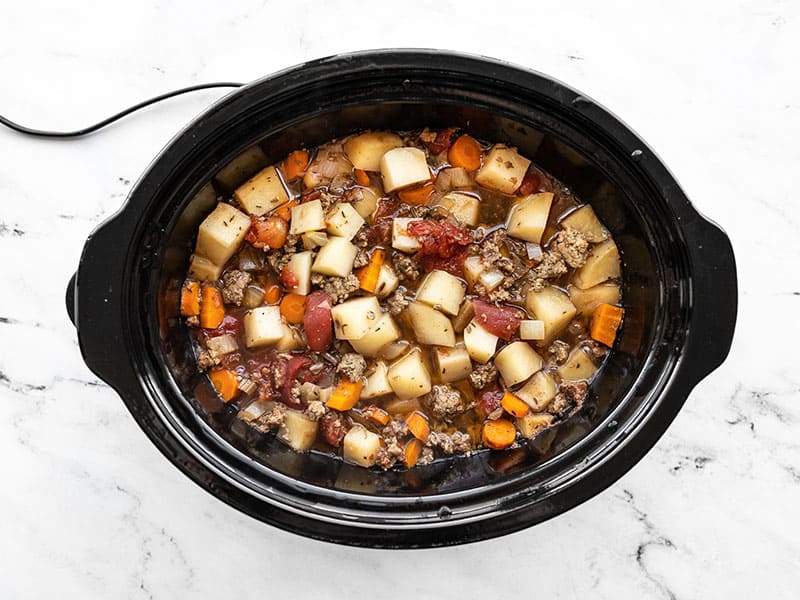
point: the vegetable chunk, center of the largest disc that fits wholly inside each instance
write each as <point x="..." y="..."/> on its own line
<point x="403" y="167"/>
<point x="503" y="170"/>
<point x="366" y="150"/>
<point x="262" y="193"/>
<point x="528" y="218"/>
<point x="221" y="233"/>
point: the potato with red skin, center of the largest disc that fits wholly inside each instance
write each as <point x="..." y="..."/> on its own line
<point x="318" y="322"/>
<point x="502" y="321"/>
<point x="288" y="278"/>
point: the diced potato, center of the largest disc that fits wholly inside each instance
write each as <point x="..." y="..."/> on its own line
<point x="452" y="178"/>
<point x="463" y="207"/>
<point x="366" y="150"/>
<point x="262" y="192"/>
<point x="480" y="343"/>
<point x="314" y="239"/>
<point x="263" y="326"/>
<point x="343" y="220"/>
<point x="307" y="216"/>
<point x="442" y="290"/>
<point x="552" y="306"/>
<point x="387" y="282"/>
<point x="473" y="267"/>
<point x="532" y="423"/>
<point x="531" y="329"/>
<point x="202" y="269"/>
<point x="395" y="350"/>
<point x="578" y="366"/>
<point x="336" y="257"/>
<point x="430" y="326"/>
<point x="300" y="266"/>
<point x="298" y="431"/>
<point x="516" y="362"/>
<point x="403" y="167"/>
<point x="383" y="332"/>
<point x="365" y="201"/>
<point x="528" y="218"/>
<point x="538" y="392"/>
<point x="584" y="220"/>
<point x="377" y="382"/>
<point x="452" y="364"/>
<point x="589" y="299"/>
<point x="491" y="278"/>
<point x="409" y="376"/>
<point x="354" y="318"/>
<point x="503" y="170"/>
<point x="401" y="240"/>
<point x="290" y="340"/>
<point x="602" y="265"/>
<point x="221" y="233"/>
<point x="361" y="446"/>
<point x="242" y="167"/>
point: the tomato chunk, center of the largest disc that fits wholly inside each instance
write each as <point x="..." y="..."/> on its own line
<point x="502" y="321"/>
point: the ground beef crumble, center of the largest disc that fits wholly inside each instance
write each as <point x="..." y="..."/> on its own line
<point x="458" y="441"/>
<point x="559" y="351"/>
<point x="396" y="303"/>
<point x="316" y="410"/>
<point x="445" y="402"/>
<point x="338" y="288"/>
<point x="483" y="375"/>
<point x="272" y="418"/>
<point x="234" y="283"/>
<point x="352" y="365"/>
<point x="406" y="267"/>
<point x="572" y="246"/>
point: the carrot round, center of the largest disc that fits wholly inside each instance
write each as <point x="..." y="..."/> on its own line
<point x="466" y="153"/>
<point x="499" y="434"/>
<point x="361" y="177"/>
<point x="368" y="276"/>
<point x="418" y="426"/>
<point x="212" y="309"/>
<point x="417" y="195"/>
<point x="225" y="383"/>
<point x="190" y="299"/>
<point x="514" y="406"/>
<point x="411" y="452"/>
<point x="346" y="395"/>
<point x="295" y="164"/>
<point x="272" y="294"/>
<point x="605" y="322"/>
<point x="293" y="307"/>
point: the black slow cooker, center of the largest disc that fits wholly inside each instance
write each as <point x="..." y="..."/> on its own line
<point x="679" y="289"/>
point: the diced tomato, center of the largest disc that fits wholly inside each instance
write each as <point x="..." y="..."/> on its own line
<point x="439" y="238"/>
<point x="333" y="428"/>
<point x="453" y="265"/>
<point x="289" y="370"/>
<point x="386" y="208"/>
<point x="442" y="142"/>
<point x="311" y="195"/>
<point x="530" y="184"/>
<point x="380" y="233"/>
<point x="317" y="321"/>
<point x="289" y="278"/>
<point x="488" y="399"/>
<point x="270" y="232"/>
<point x="231" y="323"/>
<point x="502" y="321"/>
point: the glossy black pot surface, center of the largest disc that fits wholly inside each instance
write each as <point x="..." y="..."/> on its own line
<point x="679" y="290"/>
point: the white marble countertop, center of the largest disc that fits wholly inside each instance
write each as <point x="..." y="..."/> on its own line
<point x="90" y="509"/>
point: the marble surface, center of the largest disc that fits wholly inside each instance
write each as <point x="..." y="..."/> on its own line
<point x="89" y="508"/>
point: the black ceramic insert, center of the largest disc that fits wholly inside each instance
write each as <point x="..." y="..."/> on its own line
<point x="679" y="289"/>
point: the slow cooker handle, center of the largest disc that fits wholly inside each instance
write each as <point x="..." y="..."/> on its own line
<point x="714" y="296"/>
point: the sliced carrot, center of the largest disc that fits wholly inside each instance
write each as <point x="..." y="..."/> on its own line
<point x="605" y="322"/>
<point x="295" y="164"/>
<point x="376" y="414"/>
<point x="412" y="452"/>
<point x="190" y="299"/>
<point x="212" y="309"/>
<point x="417" y="424"/>
<point x="346" y="395"/>
<point x="272" y="294"/>
<point x="293" y="306"/>
<point x="514" y="406"/>
<point x="417" y="195"/>
<point x="225" y="383"/>
<point x="368" y="276"/>
<point x="499" y="434"/>
<point x="284" y="211"/>
<point x="361" y="177"/>
<point x="466" y="153"/>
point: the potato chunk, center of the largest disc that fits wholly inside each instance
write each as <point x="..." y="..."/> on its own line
<point x="401" y="240"/>
<point x="516" y="362"/>
<point x="343" y="220"/>
<point x="503" y="170"/>
<point x="602" y="265"/>
<point x="464" y="207"/>
<point x="409" y="376"/>
<point x="387" y="282"/>
<point x="552" y="306"/>
<point x="589" y="299"/>
<point x="578" y="366"/>
<point x="262" y="192"/>
<point x="531" y="329"/>
<point x="298" y="431"/>
<point x="528" y="218"/>
<point x="314" y="239"/>
<point x="584" y="220"/>
<point x="202" y="269"/>
<point x="336" y="257"/>
<point x="361" y="446"/>
<point x="263" y="326"/>
<point x="300" y="266"/>
<point x="473" y="269"/>
<point x="221" y="233"/>
<point x="366" y="150"/>
<point x="354" y="318"/>
<point x="377" y="382"/>
<point x="430" y="326"/>
<point x="383" y="332"/>
<point x="539" y="392"/>
<point x="532" y="423"/>
<point x="403" y="167"/>
<point x="480" y="343"/>
<point x="307" y="216"/>
<point x="452" y="364"/>
<point x="291" y="339"/>
<point x="443" y="290"/>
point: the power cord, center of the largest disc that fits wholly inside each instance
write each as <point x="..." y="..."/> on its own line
<point x="105" y="122"/>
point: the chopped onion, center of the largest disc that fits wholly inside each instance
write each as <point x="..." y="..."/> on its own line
<point x="491" y="279"/>
<point x="247" y="386"/>
<point x="250" y="259"/>
<point x="534" y="250"/>
<point x="254" y="410"/>
<point x="222" y="344"/>
<point x="253" y="296"/>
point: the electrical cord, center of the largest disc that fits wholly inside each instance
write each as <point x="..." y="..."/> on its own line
<point x="105" y="122"/>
